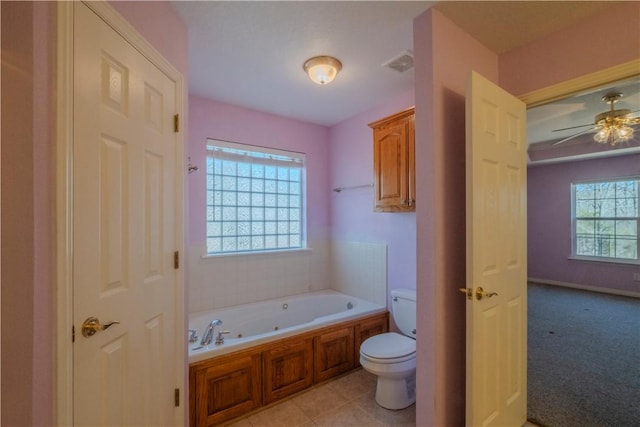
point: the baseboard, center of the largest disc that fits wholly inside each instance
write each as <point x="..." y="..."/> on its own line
<point x="585" y="287"/>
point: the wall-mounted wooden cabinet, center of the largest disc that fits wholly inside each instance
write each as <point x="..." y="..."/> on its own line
<point x="394" y="162"/>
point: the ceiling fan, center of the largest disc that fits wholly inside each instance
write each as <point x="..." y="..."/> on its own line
<point x="611" y="127"/>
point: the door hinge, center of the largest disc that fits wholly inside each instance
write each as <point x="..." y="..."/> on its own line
<point x="73" y="333"/>
<point x="176" y="397"/>
<point x="176" y="260"/>
<point x="176" y="123"/>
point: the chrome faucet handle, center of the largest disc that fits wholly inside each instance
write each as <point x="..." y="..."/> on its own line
<point x="220" y="338"/>
<point x="193" y="335"/>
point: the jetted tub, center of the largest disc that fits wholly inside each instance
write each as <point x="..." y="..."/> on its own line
<point x="264" y="321"/>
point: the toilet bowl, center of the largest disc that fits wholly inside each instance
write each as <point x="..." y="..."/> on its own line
<point x="392" y="356"/>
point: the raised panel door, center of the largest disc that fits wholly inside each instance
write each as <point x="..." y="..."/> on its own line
<point x="333" y="353"/>
<point x="287" y="369"/>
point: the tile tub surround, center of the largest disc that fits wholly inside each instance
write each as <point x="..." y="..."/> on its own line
<point x="346" y="401"/>
<point x="353" y="268"/>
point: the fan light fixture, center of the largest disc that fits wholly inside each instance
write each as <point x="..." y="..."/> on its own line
<point x="322" y="69"/>
<point x="613" y="125"/>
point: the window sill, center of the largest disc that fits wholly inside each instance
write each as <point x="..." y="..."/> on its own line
<point x="256" y="253"/>
<point x="605" y="260"/>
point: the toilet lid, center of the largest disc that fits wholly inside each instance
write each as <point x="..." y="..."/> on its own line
<point x="388" y="346"/>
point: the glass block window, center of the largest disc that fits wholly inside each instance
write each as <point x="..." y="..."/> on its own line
<point x="255" y="198"/>
<point x="606" y="219"/>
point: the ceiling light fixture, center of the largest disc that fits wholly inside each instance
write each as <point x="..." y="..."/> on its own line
<point x="613" y="126"/>
<point x="322" y="69"/>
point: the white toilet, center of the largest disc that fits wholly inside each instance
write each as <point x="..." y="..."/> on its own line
<point x="392" y="357"/>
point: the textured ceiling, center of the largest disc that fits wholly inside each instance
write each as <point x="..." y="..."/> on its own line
<point x="250" y="53"/>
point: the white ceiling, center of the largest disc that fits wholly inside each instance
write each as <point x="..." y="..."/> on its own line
<point x="250" y="53"/>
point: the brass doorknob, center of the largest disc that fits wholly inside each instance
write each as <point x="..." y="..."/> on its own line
<point x="480" y="293"/>
<point x="92" y="325"/>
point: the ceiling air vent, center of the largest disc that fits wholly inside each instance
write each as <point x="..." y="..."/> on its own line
<point x="401" y="63"/>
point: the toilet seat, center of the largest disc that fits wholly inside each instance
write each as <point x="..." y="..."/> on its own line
<point x="389" y="347"/>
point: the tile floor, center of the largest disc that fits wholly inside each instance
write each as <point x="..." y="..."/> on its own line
<point x="346" y="401"/>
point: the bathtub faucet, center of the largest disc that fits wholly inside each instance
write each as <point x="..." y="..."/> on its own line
<point x="207" y="336"/>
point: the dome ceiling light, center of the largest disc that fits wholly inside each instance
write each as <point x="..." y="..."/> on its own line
<point x="322" y="69"/>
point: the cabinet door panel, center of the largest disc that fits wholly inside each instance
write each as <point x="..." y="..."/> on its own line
<point x="287" y="369"/>
<point x="228" y="390"/>
<point x="334" y="353"/>
<point x="369" y="328"/>
<point x="394" y="162"/>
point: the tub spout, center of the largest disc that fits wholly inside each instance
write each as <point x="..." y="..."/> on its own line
<point x="207" y="336"/>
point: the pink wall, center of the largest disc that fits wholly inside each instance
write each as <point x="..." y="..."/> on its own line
<point x="609" y="38"/>
<point x="18" y="222"/>
<point x="27" y="169"/>
<point x="352" y="215"/>
<point x="444" y="57"/>
<point x="28" y="188"/>
<point x="565" y="55"/>
<point x="153" y="21"/>
<point x="212" y="119"/>
<point x="549" y="223"/>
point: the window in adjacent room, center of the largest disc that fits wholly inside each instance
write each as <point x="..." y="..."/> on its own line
<point x="255" y="198"/>
<point x="606" y="219"/>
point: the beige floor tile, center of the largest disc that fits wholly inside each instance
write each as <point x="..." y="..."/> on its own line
<point x="320" y="399"/>
<point x="285" y="414"/>
<point x="347" y="415"/>
<point x="396" y="418"/>
<point x="242" y="422"/>
<point x="356" y="384"/>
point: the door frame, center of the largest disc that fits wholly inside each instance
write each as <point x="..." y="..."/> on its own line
<point x="585" y="82"/>
<point x="579" y="84"/>
<point x="63" y="382"/>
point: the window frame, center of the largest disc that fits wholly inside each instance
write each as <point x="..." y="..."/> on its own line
<point x="574" y="221"/>
<point x="276" y="159"/>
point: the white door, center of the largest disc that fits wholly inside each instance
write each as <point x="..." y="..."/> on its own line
<point x="124" y="232"/>
<point x="496" y="390"/>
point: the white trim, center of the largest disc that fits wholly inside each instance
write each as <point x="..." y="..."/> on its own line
<point x="574" y="243"/>
<point x="254" y="253"/>
<point x="63" y="405"/>
<point x="631" y="294"/>
<point x="605" y="260"/>
<point x="579" y="84"/>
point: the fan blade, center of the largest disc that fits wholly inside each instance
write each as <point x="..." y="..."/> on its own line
<point x="572" y="127"/>
<point x="573" y="136"/>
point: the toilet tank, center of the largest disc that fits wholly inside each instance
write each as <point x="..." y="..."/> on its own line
<point x="403" y="310"/>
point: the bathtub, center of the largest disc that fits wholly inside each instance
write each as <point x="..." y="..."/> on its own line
<point x="264" y="321"/>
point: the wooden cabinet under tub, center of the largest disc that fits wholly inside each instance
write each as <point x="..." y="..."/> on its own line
<point x="234" y="384"/>
<point x="368" y="328"/>
<point x="287" y="368"/>
<point x="333" y="353"/>
<point x="225" y="389"/>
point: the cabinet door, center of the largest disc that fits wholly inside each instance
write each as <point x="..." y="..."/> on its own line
<point x="368" y="328"/>
<point x="224" y="391"/>
<point x="334" y="353"/>
<point x="287" y="369"/>
<point x="390" y="159"/>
